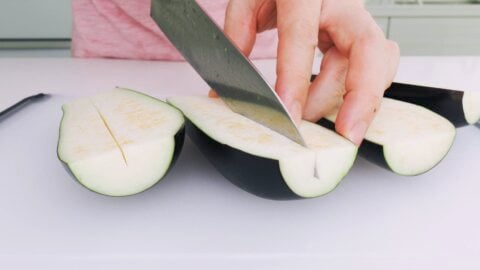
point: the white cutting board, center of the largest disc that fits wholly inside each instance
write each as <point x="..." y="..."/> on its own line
<point x="196" y="219"/>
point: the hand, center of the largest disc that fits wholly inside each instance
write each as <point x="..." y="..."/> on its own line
<point x="358" y="63"/>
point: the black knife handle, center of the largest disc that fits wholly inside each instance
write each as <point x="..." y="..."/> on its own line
<point x="22" y="103"/>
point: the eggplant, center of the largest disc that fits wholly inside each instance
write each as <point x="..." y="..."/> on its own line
<point x="462" y="108"/>
<point x="120" y="142"/>
<point x="261" y="161"/>
<point x="405" y="138"/>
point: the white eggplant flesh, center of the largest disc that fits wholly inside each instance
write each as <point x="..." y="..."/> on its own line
<point x="261" y="160"/>
<point x="471" y="107"/>
<point x="412" y="139"/>
<point x="120" y="142"/>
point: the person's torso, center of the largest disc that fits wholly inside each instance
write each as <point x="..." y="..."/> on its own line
<point x="124" y="29"/>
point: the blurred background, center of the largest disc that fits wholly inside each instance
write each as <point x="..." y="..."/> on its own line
<point x="421" y="27"/>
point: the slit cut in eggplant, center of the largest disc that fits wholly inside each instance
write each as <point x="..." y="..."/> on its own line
<point x="261" y="161"/>
<point x="462" y="108"/>
<point x="121" y="142"/>
<point x="405" y="138"/>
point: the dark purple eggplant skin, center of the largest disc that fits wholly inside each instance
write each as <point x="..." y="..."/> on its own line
<point x="370" y="151"/>
<point x="179" y="142"/>
<point x="445" y="102"/>
<point x="256" y="175"/>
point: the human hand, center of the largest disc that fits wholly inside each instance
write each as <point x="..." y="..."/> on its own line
<point x="359" y="63"/>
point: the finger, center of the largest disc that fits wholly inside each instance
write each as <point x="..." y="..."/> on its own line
<point x="324" y="42"/>
<point x="266" y="14"/>
<point x="369" y="74"/>
<point x="328" y="88"/>
<point x="298" y="23"/>
<point x="372" y="64"/>
<point x="241" y="25"/>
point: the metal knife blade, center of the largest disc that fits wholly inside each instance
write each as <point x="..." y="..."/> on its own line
<point x="222" y="65"/>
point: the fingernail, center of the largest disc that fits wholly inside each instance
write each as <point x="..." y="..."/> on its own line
<point x="212" y="94"/>
<point x="357" y="133"/>
<point x="296" y="111"/>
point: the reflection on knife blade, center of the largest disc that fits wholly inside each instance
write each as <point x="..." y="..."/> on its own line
<point x="222" y="65"/>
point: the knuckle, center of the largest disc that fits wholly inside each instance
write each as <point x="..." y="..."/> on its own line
<point x="374" y="97"/>
<point x="293" y="73"/>
<point x="340" y="75"/>
<point x="303" y="31"/>
<point x="336" y="63"/>
<point x="373" y="37"/>
<point x="393" y="48"/>
<point x="374" y="100"/>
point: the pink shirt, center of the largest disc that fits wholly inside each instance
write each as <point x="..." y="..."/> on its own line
<point x="124" y="29"/>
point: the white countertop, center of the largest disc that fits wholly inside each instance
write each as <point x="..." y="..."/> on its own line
<point x="196" y="219"/>
<point x="427" y="10"/>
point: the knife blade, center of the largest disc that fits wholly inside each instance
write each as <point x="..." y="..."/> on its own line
<point x="221" y="64"/>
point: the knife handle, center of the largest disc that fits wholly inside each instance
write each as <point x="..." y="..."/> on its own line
<point x="22" y="103"/>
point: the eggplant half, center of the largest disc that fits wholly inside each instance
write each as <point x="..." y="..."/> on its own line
<point x="460" y="107"/>
<point x="261" y="161"/>
<point x="407" y="139"/>
<point x="120" y="142"/>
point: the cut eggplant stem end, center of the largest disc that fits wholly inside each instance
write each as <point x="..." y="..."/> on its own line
<point x="261" y="161"/>
<point x="471" y="107"/>
<point x="120" y="142"/>
<point x="405" y="138"/>
<point x="462" y="108"/>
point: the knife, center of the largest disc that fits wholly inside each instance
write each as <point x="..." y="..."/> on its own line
<point x="21" y="104"/>
<point x="221" y="64"/>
